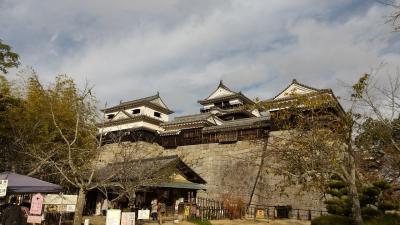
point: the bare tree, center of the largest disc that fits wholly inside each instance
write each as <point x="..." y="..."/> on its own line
<point x="317" y="142"/>
<point x="379" y="103"/>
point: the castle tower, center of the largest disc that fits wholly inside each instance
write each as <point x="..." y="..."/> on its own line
<point x="228" y="104"/>
<point x="141" y="117"/>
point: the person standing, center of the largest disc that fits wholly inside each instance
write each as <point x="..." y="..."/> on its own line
<point x="13" y="214"/>
<point x="154" y="208"/>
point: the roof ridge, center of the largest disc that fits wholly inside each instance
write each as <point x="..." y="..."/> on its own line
<point x="191" y="115"/>
<point x="294" y="81"/>
<point x="152" y="97"/>
<point x="220" y="85"/>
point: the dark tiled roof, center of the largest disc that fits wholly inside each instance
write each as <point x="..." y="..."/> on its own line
<point x="202" y="117"/>
<point x="137" y="102"/>
<point x="320" y="91"/>
<point x="254" y="122"/>
<point x="290" y="100"/>
<point x="157" y="163"/>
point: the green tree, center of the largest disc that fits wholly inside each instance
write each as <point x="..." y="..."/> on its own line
<point x="64" y="138"/>
<point x="8" y="103"/>
<point x="53" y="133"/>
<point x="8" y="58"/>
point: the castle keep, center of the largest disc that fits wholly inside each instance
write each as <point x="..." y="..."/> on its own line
<point x="222" y="143"/>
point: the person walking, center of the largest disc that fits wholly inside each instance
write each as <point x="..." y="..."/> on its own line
<point x="13" y="214"/>
<point x="162" y="209"/>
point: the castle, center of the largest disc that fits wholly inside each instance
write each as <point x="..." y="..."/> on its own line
<point x="222" y="143"/>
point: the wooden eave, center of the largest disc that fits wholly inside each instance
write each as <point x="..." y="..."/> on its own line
<point x="191" y="124"/>
<point x="241" y="124"/>
<point x="227" y="97"/>
<point x="130" y="120"/>
<point x="223" y="112"/>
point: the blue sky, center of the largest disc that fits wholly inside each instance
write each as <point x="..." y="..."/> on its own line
<point x="182" y="48"/>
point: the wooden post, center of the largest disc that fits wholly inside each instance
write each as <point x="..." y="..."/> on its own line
<point x="298" y="214"/>
<point x="309" y="214"/>
<point x="273" y="216"/>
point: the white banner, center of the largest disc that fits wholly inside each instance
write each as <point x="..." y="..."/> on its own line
<point x="56" y="199"/>
<point x="3" y="187"/>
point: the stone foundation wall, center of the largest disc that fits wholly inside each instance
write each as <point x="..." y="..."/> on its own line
<point x="229" y="169"/>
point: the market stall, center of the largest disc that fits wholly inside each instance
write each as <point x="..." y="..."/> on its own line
<point x="21" y="184"/>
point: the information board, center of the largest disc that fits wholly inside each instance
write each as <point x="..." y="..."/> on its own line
<point x="128" y="218"/>
<point x="34" y="219"/>
<point x="55" y="199"/>
<point x="113" y="217"/>
<point x="144" y="214"/>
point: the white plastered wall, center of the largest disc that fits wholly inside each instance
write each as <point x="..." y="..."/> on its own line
<point x="143" y="111"/>
<point x="130" y="126"/>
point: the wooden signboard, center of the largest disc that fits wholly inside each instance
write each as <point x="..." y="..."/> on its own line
<point x="260" y="214"/>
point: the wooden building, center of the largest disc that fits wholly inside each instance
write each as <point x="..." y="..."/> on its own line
<point x="181" y="183"/>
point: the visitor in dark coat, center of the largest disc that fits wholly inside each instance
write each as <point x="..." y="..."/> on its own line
<point x="12" y="215"/>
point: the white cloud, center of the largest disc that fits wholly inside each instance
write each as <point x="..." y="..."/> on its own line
<point x="183" y="48"/>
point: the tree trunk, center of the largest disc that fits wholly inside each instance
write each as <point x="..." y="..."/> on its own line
<point x="79" y="206"/>
<point x="354" y="197"/>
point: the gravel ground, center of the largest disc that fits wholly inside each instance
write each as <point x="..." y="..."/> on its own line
<point x="246" y="222"/>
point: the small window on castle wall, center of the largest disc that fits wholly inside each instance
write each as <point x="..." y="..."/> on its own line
<point x="157" y="114"/>
<point x="110" y="116"/>
<point x="136" y="111"/>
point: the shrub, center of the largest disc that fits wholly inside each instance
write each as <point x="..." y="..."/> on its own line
<point x="234" y="206"/>
<point x="369" y="212"/>
<point x="384" y="220"/>
<point x="387" y="205"/>
<point x="332" y="220"/>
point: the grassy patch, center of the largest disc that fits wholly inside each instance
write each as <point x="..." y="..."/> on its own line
<point x="384" y="220"/>
<point x="341" y="220"/>
<point x="332" y="220"/>
<point x="199" y="221"/>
